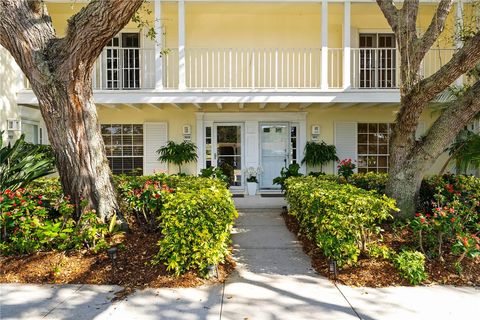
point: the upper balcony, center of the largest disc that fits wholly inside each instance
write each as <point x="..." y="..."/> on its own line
<point x="255" y="51"/>
<point x="257" y="69"/>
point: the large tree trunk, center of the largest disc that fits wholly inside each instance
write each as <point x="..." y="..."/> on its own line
<point x="73" y="129"/>
<point x="59" y="70"/>
<point x="410" y="159"/>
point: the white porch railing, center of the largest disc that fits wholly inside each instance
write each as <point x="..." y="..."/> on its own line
<point x="124" y="69"/>
<point x="238" y="68"/>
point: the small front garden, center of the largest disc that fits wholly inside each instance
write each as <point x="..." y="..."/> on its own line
<point x="179" y="234"/>
<point x="347" y="220"/>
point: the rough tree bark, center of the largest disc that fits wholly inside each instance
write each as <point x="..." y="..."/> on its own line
<point x="59" y="71"/>
<point x="410" y="159"/>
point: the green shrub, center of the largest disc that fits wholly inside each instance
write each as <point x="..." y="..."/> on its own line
<point x="293" y="170"/>
<point x="339" y="218"/>
<point x="215" y="173"/>
<point x="380" y="251"/>
<point x="27" y="225"/>
<point x="196" y="226"/>
<point x="411" y="265"/>
<point x="369" y="181"/>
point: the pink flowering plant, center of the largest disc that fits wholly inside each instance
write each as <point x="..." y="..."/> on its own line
<point x="30" y="223"/>
<point x="346" y="168"/>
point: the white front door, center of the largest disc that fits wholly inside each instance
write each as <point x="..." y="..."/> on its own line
<point x="275" y="150"/>
<point x="228" y="154"/>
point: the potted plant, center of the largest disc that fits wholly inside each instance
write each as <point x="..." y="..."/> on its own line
<point x="318" y="154"/>
<point x="346" y="168"/>
<point x="252" y="180"/>
<point x="178" y="154"/>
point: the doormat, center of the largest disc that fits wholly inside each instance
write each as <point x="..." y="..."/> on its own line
<point x="238" y="195"/>
<point x="271" y="195"/>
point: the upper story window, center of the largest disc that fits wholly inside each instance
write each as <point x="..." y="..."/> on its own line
<point x="378" y="61"/>
<point x="31" y="131"/>
<point x="122" y="61"/>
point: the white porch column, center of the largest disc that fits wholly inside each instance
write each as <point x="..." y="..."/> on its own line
<point x="158" y="46"/>
<point x="200" y="141"/>
<point x="459" y="24"/>
<point x="346" y="44"/>
<point x="324" y="77"/>
<point x="181" y="45"/>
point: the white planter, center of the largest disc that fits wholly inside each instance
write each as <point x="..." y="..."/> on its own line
<point x="251" y="188"/>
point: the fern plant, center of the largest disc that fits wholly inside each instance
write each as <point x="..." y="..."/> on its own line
<point x="178" y="153"/>
<point x="318" y="154"/>
<point x="22" y="163"/>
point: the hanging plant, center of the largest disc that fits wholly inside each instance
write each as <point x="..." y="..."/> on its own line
<point x="318" y="154"/>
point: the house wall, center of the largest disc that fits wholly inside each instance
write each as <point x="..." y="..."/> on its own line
<point x="9" y="85"/>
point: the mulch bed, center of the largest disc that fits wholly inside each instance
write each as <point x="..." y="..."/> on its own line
<point x="133" y="268"/>
<point x="381" y="273"/>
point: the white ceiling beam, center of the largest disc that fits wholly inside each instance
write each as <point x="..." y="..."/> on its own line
<point x="197" y="105"/>
<point x="284" y="105"/>
<point x="219" y="106"/>
<point x="134" y="107"/>
<point x="241" y="105"/>
<point x="305" y="105"/>
<point x="157" y="106"/>
<point x="262" y="105"/>
<point x="176" y="105"/>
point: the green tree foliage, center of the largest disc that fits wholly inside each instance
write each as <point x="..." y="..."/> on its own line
<point x="178" y="154"/>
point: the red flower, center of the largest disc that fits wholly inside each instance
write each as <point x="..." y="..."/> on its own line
<point x="157" y="195"/>
<point x="452" y="220"/>
<point x="465" y="241"/>
<point x="1" y="199"/>
<point x="40" y="197"/>
<point x="449" y="188"/>
<point x="417" y="214"/>
<point x="40" y="202"/>
<point x="422" y="220"/>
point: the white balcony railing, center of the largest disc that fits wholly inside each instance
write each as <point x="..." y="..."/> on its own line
<point x="124" y="69"/>
<point x="234" y="68"/>
<point x="237" y="68"/>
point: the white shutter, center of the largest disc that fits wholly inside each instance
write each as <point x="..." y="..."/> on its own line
<point x="155" y="136"/>
<point x="251" y="144"/>
<point x="346" y="140"/>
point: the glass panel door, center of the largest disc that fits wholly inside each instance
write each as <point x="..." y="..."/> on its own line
<point x="275" y="151"/>
<point x="228" y="155"/>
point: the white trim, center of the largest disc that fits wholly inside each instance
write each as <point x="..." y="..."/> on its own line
<point x="346" y="44"/>
<point x="158" y="46"/>
<point x="254" y="116"/>
<point x="181" y="45"/>
<point x="200" y="126"/>
<point x="324" y="65"/>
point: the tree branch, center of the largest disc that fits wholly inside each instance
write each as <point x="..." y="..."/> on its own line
<point x="450" y="123"/>
<point x="435" y="28"/>
<point x="464" y="60"/>
<point x="90" y="30"/>
<point x="390" y="12"/>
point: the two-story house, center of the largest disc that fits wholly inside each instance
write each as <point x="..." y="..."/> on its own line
<point x="249" y="82"/>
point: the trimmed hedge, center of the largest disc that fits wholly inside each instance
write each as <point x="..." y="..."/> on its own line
<point x="194" y="214"/>
<point x="339" y="218"/>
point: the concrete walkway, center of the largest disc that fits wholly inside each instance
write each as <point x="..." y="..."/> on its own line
<point x="273" y="280"/>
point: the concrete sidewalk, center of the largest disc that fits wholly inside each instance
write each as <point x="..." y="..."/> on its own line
<point x="273" y="280"/>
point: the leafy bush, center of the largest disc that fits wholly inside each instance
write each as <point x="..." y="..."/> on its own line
<point x="22" y="163"/>
<point x="293" y="170"/>
<point x="369" y="181"/>
<point x="196" y="225"/>
<point x="339" y="218"/>
<point x="215" y="173"/>
<point x="27" y="225"/>
<point x="411" y="265"/>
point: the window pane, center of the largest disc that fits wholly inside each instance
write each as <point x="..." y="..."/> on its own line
<point x="138" y="129"/>
<point x="127" y="140"/>
<point x="362" y="128"/>
<point x="362" y="149"/>
<point x="127" y="128"/>
<point x="362" y="138"/>
<point x="137" y="140"/>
